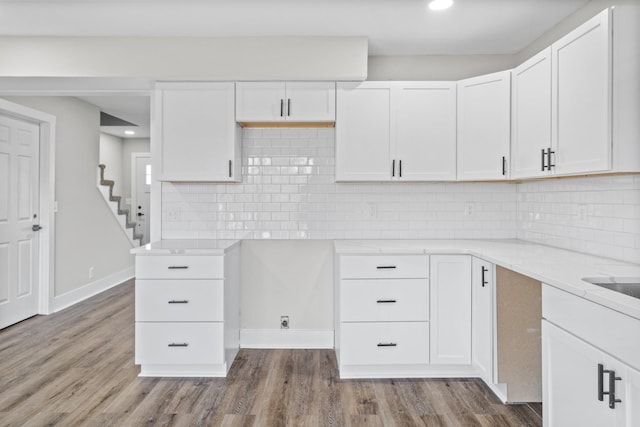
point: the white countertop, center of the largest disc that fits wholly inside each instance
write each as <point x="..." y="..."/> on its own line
<point x="186" y="247"/>
<point x="556" y="267"/>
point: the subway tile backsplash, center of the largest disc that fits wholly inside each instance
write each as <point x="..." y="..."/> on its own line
<point x="597" y="215"/>
<point x="288" y="192"/>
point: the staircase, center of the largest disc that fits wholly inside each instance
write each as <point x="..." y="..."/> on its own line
<point x="122" y="215"/>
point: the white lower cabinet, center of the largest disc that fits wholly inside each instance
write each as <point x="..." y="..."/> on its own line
<point x="586" y="381"/>
<point x="187" y="314"/>
<point x="392" y="311"/>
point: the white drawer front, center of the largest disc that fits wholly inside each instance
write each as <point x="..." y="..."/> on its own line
<point x="379" y="343"/>
<point x="179" y="343"/>
<point x="384" y="266"/>
<point x="179" y="267"/>
<point x="384" y="300"/>
<point x="179" y="300"/>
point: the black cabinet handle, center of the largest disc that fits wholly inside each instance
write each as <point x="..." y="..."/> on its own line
<point x="178" y="267"/>
<point x="393" y="168"/>
<point x="230" y="168"/>
<point x="504" y="165"/>
<point x="288" y="107"/>
<point x="182" y="344"/>
<point x="386" y="267"/>
<point x="549" y="164"/>
<point x="281" y="107"/>
<point x="601" y="391"/>
<point x="612" y="389"/>
<point x="543" y="166"/>
<point x="484" y="281"/>
<point x="180" y="301"/>
<point x="386" y="301"/>
<point x="387" y="344"/>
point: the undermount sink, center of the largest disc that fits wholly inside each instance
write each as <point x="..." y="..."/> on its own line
<point x="625" y="285"/>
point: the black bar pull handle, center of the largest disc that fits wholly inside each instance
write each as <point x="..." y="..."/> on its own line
<point x="386" y="301"/>
<point x="180" y="344"/>
<point x="179" y="301"/>
<point x="504" y="166"/>
<point x="549" y="164"/>
<point x="612" y="389"/>
<point x="601" y="391"/>
<point x="288" y="107"/>
<point x="542" y="163"/>
<point x="178" y="267"/>
<point x="393" y="168"/>
<point x="230" y="168"/>
<point x="400" y="168"/>
<point x="282" y="108"/>
<point x="484" y="280"/>
<point x="387" y="344"/>
<point x="386" y="267"/>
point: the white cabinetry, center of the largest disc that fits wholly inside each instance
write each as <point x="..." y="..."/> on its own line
<point x="483" y="326"/>
<point x="484" y="112"/>
<point x="402" y="131"/>
<point x="187" y="314"/>
<point x="382" y="313"/>
<point x="591" y="363"/>
<point x="575" y="104"/>
<point x="450" y="309"/>
<point x="290" y="102"/>
<point x="196" y="136"/>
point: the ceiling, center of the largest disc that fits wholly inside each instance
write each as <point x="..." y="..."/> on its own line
<point x="393" y="27"/>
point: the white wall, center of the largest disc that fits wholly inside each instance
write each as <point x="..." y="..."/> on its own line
<point x="111" y="157"/>
<point x="598" y="215"/>
<point x="87" y="234"/>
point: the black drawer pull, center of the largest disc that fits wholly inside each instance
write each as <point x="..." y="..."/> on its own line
<point x="387" y="344"/>
<point x="179" y="301"/>
<point x="178" y="267"/>
<point x="182" y="344"/>
<point x="386" y="301"/>
<point x="386" y="267"/>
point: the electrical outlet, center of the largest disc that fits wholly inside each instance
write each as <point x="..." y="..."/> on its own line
<point x="469" y="209"/>
<point x="91" y="272"/>
<point x="372" y="210"/>
<point x="284" y="322"/>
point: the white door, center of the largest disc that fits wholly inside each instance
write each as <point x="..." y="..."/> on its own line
<point x="450" y="309"/>
<point x="140" y="195"/>
<point x="482" y="317"/>
<point x="426" y="131"/>
<point x="19" y="210"/>
<point x="484" y="126"/>
<point x="531" y="116"/>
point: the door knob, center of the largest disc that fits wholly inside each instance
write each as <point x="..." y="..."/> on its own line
<point x="140" y="214"/>
<point x="36" y="227"/>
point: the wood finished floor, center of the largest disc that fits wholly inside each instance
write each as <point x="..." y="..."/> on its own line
<point x="75" y="368"/>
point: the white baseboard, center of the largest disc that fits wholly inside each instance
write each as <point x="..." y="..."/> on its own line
<point x="70" y="298"/>
<point x="285" y="338"/>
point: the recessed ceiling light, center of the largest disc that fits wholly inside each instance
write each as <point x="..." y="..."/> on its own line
<point x="129" y="132"/>
<point x="440" y="4"/>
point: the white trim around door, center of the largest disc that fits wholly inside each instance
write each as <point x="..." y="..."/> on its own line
<point x="46" y="236"/>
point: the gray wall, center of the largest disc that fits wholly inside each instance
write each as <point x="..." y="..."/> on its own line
<point x="87" y="234"/>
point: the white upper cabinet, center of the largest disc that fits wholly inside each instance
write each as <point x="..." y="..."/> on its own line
<point x="576" y="104"/>
<point x="290" y="101"/>
<point x="401" y="131"/>
<point x="196" y="136"/>
<point x="581" y="99"/>
<point x="425" y="145"/>
<point x="531" y="116"/>
<point x="484" y="112"/>
<point x="363" y="132"/>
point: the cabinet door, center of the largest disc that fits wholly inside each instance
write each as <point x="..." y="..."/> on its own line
<point x="570" y="381"/>
<point x="260" y="101"/>
<point x="425" y="144"/>
<point x="484" y="112"/>
<point x="581" y="104"/>
<point x="450" y="309"/>
<point x="311" y="102"/>
<point x="631" y="403"/>
<point x="531" y="116"/>
<point x="199" y="138"/>
<point x="363" y="132"/>
<point x="482" y="317"/>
